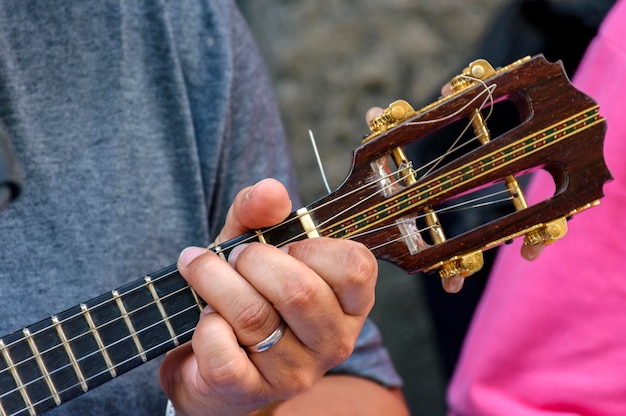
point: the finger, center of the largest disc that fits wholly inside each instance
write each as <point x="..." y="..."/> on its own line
<point x="265" y="204"/>
<point x="222" y="364"/>
<point x="212" y="365"/>
<point x="354" y="285"/>
<point x="532" y="251"/>
<point x="452" y="284"/>
<point x="446" y="90"/>
<point x="372" y="113"/>
<point x="304" y="300"/>
<point x="251" y="316"/>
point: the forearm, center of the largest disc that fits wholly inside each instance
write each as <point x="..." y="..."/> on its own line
<point x="342" y="395"/>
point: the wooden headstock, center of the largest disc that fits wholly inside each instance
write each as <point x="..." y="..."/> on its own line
<point x="392" y="206"/>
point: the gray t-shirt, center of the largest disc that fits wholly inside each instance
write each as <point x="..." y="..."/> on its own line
<point x="134" y="124"/>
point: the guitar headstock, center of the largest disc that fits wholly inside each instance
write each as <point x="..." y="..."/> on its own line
<point x="395" y="207"/>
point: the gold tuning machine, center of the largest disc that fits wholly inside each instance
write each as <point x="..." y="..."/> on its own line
<point x="546" y="233"/>
<point x="397" y="112"/>
<point x="462" y="266"/>
<point x="477" y="70"/>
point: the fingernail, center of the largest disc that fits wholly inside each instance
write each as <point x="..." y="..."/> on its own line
<point x="256" y="185"/>
<point x="234" y="253"/>
<point x="207" y="310"/>
<point x="189" y="254"/>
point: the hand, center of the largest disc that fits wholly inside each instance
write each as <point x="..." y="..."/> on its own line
<point x="322" y="288"/>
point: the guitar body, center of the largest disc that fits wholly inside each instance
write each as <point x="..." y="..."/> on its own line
<point x="385" y="203"/>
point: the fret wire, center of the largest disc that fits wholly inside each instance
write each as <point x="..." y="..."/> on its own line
<point x="197" y="299"/>
<point x="13" y="367"/>
<point x="70" y="354"/>
<point x="161" y="308"/>
<point x="103" y="303"/>
<point x="20" y="386"/>
<point x="42" y="366"/>
<point x="104" y="372"/>
<point x="96" y="335"/>
<point x="130" y="325"/>
<point x="101" y="326"/>
<point x="2" y="411"/>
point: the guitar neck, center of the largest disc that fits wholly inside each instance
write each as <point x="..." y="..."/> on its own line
<point x="59" y="358"/>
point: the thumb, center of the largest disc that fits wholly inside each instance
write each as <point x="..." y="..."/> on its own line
<point x="262" y="205"/>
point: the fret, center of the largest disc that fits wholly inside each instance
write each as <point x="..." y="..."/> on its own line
<point x="2" y="411"/>
<point x="307" y="223"/>
<point x="129" y="324"/>
<point x="16" y="378"/>
<point x="152" y="330"/>
<point x="179" y="301"/>
<point x="42" y="366"/>
<point x="162" y="312"/>
<point x="44" y="369"/>
<point x="260" y="236"/>
<point x="218" y="250"/>
<point x="94" y="331"/>
<point x="70" y="353"/>
<point x="93" y="369"/>
<point x="296" y="227"/>
<point x="114" y="332"/>
<point x="199" y="303"/>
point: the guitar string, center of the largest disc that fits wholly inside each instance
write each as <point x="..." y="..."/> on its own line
<point x="489" y="98"/>
<point x="488" y="90"/>
<point x="363" y="187"/>
<point x="112" y="300"/>
<point x="463" y="205"/>
<point x="142" y="286"/>
<point x="373" y="183"/>
<point x="251" y="238"/>
<point x="159" y="322"/>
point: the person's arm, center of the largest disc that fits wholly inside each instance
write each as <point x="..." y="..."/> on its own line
<point x="342" y="395"/>
<point x="323" y="289"/>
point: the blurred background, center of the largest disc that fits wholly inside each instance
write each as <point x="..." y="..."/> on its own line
<point x="331" y="60"/>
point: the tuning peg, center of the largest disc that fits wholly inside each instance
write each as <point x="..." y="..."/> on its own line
<point x="547" y="233"/>
<point x="395" y="113"/>
<point x="463" y="266"/>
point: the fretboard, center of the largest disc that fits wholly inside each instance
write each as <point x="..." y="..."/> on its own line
<point x="59" y="358"/>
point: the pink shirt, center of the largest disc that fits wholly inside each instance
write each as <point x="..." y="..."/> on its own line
<point x="549" y="337"/>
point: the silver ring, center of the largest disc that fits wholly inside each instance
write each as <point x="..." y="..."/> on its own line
<point x="269" y="342"/>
